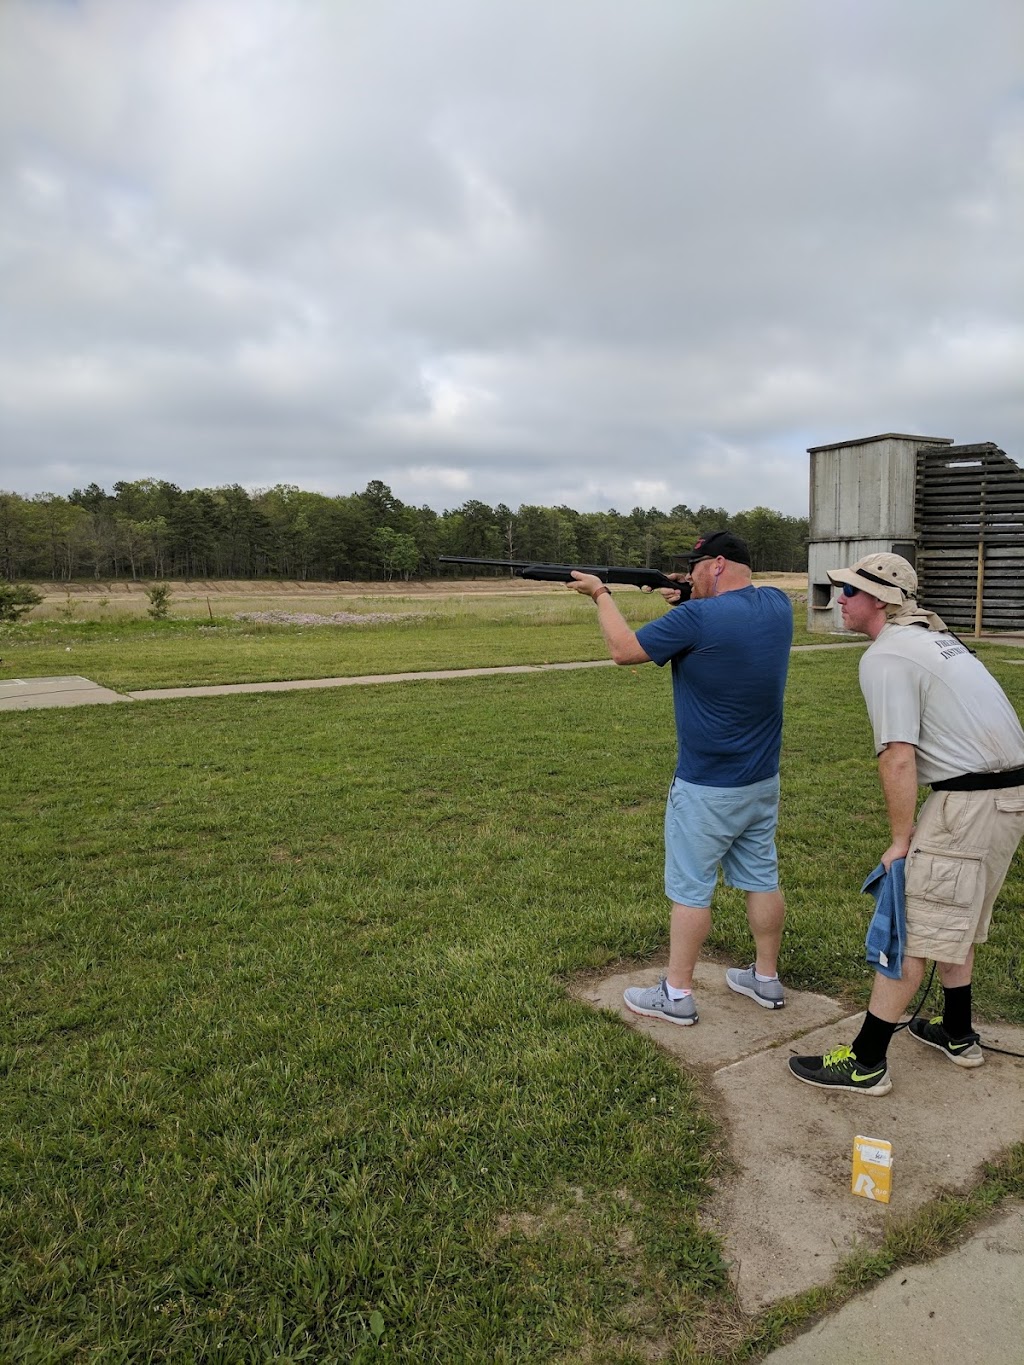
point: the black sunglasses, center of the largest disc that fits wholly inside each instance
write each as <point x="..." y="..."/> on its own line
<point x="849" y="590"/>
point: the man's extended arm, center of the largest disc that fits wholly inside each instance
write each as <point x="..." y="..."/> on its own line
<point x="622" y="643"/>
<point x="897" y="771"/>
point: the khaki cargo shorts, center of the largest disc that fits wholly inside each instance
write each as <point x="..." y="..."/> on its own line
<point x="958" y="860"/>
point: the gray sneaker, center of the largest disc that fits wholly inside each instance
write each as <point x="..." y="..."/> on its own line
<point x="767" y="993"/>
<point x="654" y="1002"/>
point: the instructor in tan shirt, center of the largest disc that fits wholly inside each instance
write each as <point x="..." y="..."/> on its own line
<point x="939" y="718"/>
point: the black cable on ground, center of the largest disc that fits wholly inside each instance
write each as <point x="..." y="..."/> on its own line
<point x="987" y="1047"/>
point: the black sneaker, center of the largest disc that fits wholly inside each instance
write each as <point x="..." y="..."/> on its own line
<point x="961" y="1051"/>
<point x="840" y="1070"/>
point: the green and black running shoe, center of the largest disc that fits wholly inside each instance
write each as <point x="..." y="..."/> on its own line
<point x="840" y="1070"/>
<point x="962" y="1051"/>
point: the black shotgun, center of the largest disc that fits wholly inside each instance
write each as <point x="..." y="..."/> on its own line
<point x="562" y="573"/>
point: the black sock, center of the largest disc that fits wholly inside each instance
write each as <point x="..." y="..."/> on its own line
<point x="956" y="1011"/>
<point x="872" y="1043"/>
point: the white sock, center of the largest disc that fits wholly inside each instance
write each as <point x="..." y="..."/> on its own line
<point x="674" y="994"/>
<point x="759" y="977"/>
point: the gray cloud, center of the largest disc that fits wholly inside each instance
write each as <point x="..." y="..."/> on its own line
<point x="523" y="252"/>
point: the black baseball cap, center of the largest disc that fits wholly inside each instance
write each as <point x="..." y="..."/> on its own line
<point x="724" y="543"/>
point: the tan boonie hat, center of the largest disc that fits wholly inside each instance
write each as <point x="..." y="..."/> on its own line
<point x="890" y="578"/>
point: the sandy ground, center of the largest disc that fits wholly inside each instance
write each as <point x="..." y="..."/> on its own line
<point x="265" y="587"/>
<point x="122" y="593"/>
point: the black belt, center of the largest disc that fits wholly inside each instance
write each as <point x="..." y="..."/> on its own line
<point x="981" y="782"/>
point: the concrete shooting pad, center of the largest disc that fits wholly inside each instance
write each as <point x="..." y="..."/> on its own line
<point x="25" y="694"/>
<point x="785" y="1214"/>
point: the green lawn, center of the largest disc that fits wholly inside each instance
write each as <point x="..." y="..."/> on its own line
<point x="288" y="1069"/>
<point x="129" y="654"/>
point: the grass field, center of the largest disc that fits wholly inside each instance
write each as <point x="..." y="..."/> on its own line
<point x="127" y="652"/>
<point x="289" y="1070"/>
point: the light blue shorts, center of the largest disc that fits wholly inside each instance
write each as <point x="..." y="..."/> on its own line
<point x="728" y="827"/>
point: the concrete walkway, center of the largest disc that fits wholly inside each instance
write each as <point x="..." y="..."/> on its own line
<point x="966" y="1307"/>
<point x="22" y="694"/>
<point x="228" y="689"/>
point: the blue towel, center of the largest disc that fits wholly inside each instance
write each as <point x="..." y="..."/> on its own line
<point x="887" y="932"/>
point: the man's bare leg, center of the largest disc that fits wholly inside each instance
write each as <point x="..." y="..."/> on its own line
<point x="689" y="927"/>
<point x="889" y="999"/>
<point x="953" y="974"/>
<point x="766" y="913"/>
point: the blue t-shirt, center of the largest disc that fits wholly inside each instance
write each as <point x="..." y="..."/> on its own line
<point x="730" y="655"/>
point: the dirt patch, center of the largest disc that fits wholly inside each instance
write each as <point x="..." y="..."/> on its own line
<point x="105" y="599"/>
<point x="199" y="589"/>
<point x="336" y="618"/>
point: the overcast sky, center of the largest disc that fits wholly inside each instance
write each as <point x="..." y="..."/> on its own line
<point x="601" y="252"/>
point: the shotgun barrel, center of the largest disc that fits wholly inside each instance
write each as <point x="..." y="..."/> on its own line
<point x="562" y="573"/>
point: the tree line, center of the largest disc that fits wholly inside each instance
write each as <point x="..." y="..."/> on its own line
<point x="152" y="529"/>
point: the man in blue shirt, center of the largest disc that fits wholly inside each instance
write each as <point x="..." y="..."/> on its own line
<point x="729" y="650"/>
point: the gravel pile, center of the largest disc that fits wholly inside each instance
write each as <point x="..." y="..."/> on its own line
<point x="310" y="618"/>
